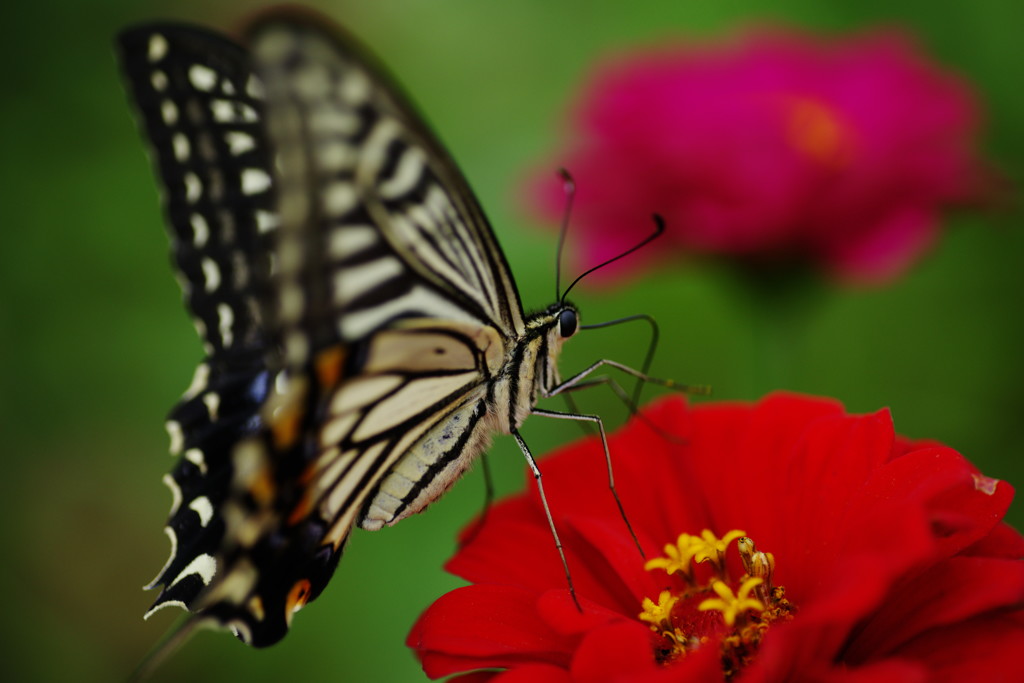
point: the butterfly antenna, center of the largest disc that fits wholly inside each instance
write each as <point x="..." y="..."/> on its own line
<point x="659" y="227"/>
<point x="169" y="644"/>
<point x="569" y="187"/>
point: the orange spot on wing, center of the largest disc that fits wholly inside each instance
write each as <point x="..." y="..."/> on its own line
<point x="262" y="487"/>
<point x="285" y="428"/>
<point x="328" y="365"/>
<point x="303" y="508"/>
<point x="297" y="598"/>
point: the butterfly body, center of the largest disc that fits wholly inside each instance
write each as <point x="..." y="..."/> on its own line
<point x="364" y="338"/>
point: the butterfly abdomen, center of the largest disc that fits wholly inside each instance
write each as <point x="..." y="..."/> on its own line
<point x="431" y="466"/>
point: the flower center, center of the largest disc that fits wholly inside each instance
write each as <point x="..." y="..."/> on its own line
<point x="815" y="129"/>
<point x="704" y="603"/>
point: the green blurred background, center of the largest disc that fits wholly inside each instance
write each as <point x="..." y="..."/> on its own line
<point x="96" y="345"/>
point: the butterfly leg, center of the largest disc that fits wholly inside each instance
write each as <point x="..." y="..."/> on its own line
<point x="627" y="400"/>
<point x="594" y="419"/>
<point x="576" y="379"/>
<point x="547" y="511"/>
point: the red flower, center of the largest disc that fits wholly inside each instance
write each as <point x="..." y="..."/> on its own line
<point x="876" y="559"/>
<point x="779" y="148"/>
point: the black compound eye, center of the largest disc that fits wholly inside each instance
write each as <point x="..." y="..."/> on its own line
<point x="568" y="321"/>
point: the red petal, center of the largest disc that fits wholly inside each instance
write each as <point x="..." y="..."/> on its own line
<point x="621" y="651"/>
<point x="963" y="507"/>
<point x="559" y="612"/>
<point x="984" y="649"/>
<point x="514" y="547"/>
<point x="1003" y="541"/>
<point x="952" y="591"/>
<point x="475" y="677"/>
<point x="534" y="673"/>
<point x="816" y="478"/>
<point x="483" y="626"/>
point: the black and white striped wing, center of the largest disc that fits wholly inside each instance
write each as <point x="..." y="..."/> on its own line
<point x="199" y="107"/>
<point x="377" y="223"/>
<point x="383" y="292"/>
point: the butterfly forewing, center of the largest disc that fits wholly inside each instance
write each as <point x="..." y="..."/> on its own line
<point x="375" y="225"/>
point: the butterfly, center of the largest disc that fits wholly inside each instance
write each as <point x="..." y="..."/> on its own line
<point x="363" y="335"/>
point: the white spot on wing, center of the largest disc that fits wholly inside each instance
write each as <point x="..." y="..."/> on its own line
<point x="238" y="142"/>
<point x="196" y="457"/>
<point x="169" y="482"/>
<point x="211" y="272"/>
<point x="204" y="565"/>
<point x="328" y="120"/>
<point x="169" y="112"/>
<point x="355" y="89"/>
<point x="193" y="187"/>
<point x="202" y="77"/>
<point x="254" y="88"/>
<point x="157" y="608"/>
<point x="281" y="383"/>
<point x="204" y="508"/>
<point x="169" y="532"/>
<point x="181" y="147"/>
<point x="296" y="347"/>
<point x="339" y="198"/>
<point x="228" y="111"/>
<point x="225" y="319"/>
<point x="335" y="156"/>
<point x="200" y="230"/>
<point x="212" y="401"/>
<point x="266" y="221"/>
<point x="255" y="180"/>
<point x="199" y="381"/>
<point x="159" y="80"/>
<point x="157" y="47"/>
<point x="292" y="302"/>
<point x="177" y="436"/>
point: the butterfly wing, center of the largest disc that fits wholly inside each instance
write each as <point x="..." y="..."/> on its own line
<point x="379" y="224"/>
<point x="382" y="261"/>
<point x="198" y="104"/>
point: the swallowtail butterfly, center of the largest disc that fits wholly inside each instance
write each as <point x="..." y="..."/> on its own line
<point x="364" y="338"/>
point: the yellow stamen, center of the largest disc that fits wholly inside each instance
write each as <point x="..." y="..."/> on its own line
<point x="709" y="547"/>
<point x="659" y="615"/>
<point x="757" y="564"/>
<point x="678" y="556"/>
<point x="733" y="604"/>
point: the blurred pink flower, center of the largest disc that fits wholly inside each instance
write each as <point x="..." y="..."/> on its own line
<point x="776" y="149"/>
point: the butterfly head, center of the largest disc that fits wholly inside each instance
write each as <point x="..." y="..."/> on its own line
<point x="558" y="323"/>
